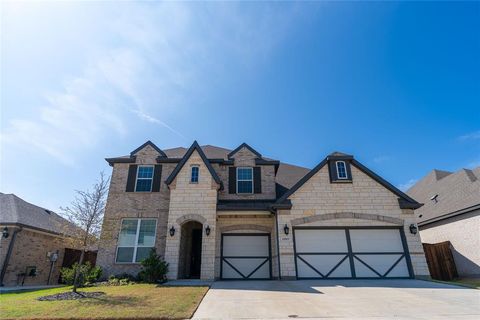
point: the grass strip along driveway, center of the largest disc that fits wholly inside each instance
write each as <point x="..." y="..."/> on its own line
<point x="138" y="301"/>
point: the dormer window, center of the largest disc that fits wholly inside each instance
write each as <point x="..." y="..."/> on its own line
<point x="341" y="170"/>
<point x="144" y="179"/>
<point x="244" y="180"/>
<point x="195" y="173"/>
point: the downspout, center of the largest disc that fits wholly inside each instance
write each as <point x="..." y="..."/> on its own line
<point x="278" y="244"/>
<point x="9" y="253"/>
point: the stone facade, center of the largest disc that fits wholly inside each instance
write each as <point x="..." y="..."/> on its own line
<point x="462" y="232"/>
<point x="192" y="202"/>
<point x="30" y="250"/>
<point x="364" y="202"/>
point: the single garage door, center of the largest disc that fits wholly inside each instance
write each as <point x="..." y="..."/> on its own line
<point x="337" y="253"/>
<point x="245" y="256"/>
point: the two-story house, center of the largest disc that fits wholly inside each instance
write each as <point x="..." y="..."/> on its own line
<point x="214" y="213"/>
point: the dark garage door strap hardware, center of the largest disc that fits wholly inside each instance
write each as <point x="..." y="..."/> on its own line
<point x="267" y="259"/>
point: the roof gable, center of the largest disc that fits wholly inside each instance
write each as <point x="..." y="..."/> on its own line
<point x="194" y="147"/>
<point x="151" y="144"/>
<point x="244" y="145"/>
<point x="404" y="200"/>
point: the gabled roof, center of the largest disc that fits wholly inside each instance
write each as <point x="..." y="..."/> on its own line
<point x="151" y="144"/>
<point x="16" y="211"/>
<point x="404" y="200"/>
<point x="454" y="191"/>
<point x="184" y="160"/>
<point x="244" y="145"/>
<point x="287" y="174"/>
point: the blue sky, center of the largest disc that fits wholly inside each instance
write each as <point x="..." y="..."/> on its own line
<point x="395" y="84"/>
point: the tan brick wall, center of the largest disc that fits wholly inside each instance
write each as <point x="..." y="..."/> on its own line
<point x="364" y="195"/>
<point x="30" y="249"/>
<point x="192" y="199"/>
<point x="121" y="204"/>
<point x="463" y="234"/>
<point x="246" y="223"/>
<point x="245" y="158"/>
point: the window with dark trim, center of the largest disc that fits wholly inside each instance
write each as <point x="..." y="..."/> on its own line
<point x="244" y="180"/>
<point x="194" y="175"/>
<point x="144" y="179"/>
<point x="341" y="170"/>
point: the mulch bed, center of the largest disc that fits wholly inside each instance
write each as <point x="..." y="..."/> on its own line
<point x="71" y="296"/>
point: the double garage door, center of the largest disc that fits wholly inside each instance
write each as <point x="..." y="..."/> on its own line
<point x="333" y="253"/>
<point x="246" y="256"/>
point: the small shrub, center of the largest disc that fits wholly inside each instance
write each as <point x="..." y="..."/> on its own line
<point x="154" y="268"/>
<point x="87" y="274"/>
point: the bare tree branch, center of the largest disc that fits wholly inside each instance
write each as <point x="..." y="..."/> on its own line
<point x="86" y="211"/>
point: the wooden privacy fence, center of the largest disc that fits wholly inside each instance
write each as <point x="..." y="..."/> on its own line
<point x="440" y="260"/>
<point x="73" y="255"/>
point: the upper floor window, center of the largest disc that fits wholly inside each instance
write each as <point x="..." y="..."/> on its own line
<point x="144" y="179"/>
<point x="195" y="173"/>
<point x="244" y="180"/>
<point x="136" y="239"/>
<point x="341" y="170"/>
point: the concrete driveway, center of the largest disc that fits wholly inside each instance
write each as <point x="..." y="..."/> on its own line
<point x="400" y="299"/>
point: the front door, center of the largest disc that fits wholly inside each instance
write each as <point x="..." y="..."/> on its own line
<point x="196" y="253"/>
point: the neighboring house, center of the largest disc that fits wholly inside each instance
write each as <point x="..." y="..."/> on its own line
<point x="214" y="213"/>
<point x="31" y="238"/>
<point x="452" y="213"/>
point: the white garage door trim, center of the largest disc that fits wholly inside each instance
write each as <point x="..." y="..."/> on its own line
<point x="345" y="253"/>
<point x="256" y="259"/>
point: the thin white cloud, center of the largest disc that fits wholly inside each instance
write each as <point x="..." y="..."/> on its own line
<point x="380" y="159"/>
<point x="160" y="56"/>
<point x="470" y="136"/>
<point x="407" y="185"/>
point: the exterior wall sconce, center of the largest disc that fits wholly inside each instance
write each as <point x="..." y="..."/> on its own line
<point x="5" y="233"/>
<point x="413" y="228"/>
<point x="172" y="231"/>
<point x="207" y="230"/>
<point x="286" y="229"/>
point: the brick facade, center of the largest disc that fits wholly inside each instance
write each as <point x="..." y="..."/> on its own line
<point x="364" y="202"/>
<point x="30" y="250"/>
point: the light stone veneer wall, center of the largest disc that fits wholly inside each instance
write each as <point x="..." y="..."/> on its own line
<point x="187" y="202"/>
<point x="245" y="158"/>
<point x="463" y="233"/>
<point x="242" y="222"/>
<point x="349" y="200"/>
<point x="121" y="204"/>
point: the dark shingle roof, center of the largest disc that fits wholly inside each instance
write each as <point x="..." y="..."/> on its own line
<point x="16" y="211"/>
<point x="455" y="191"/>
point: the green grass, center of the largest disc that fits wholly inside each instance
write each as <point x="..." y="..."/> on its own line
<point x="140" y="301"/>
<point x="470" y="282"/>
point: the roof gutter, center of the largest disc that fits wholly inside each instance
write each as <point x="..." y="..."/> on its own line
<point x="449" y="215"/>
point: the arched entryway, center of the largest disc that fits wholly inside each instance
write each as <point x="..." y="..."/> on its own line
<point x="190" y="259"/>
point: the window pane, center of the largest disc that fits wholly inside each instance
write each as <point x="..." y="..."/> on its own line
<point x="244" y="174"/>
<point x="245" y="187"/>
<point x="144" y="185"/>
<point x="145" y="172"/>
<point x="142" y="253"/>
<point x="146" y="236"/>
<point x="194" y="174"/>
<point x="342" y="173"/>
<point x="128" y="233"/>
<point x="125" y="254"/>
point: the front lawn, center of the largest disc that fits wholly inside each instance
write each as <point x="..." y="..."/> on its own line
<point x="469" y="282"/>
<point x="132" y="301"/>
